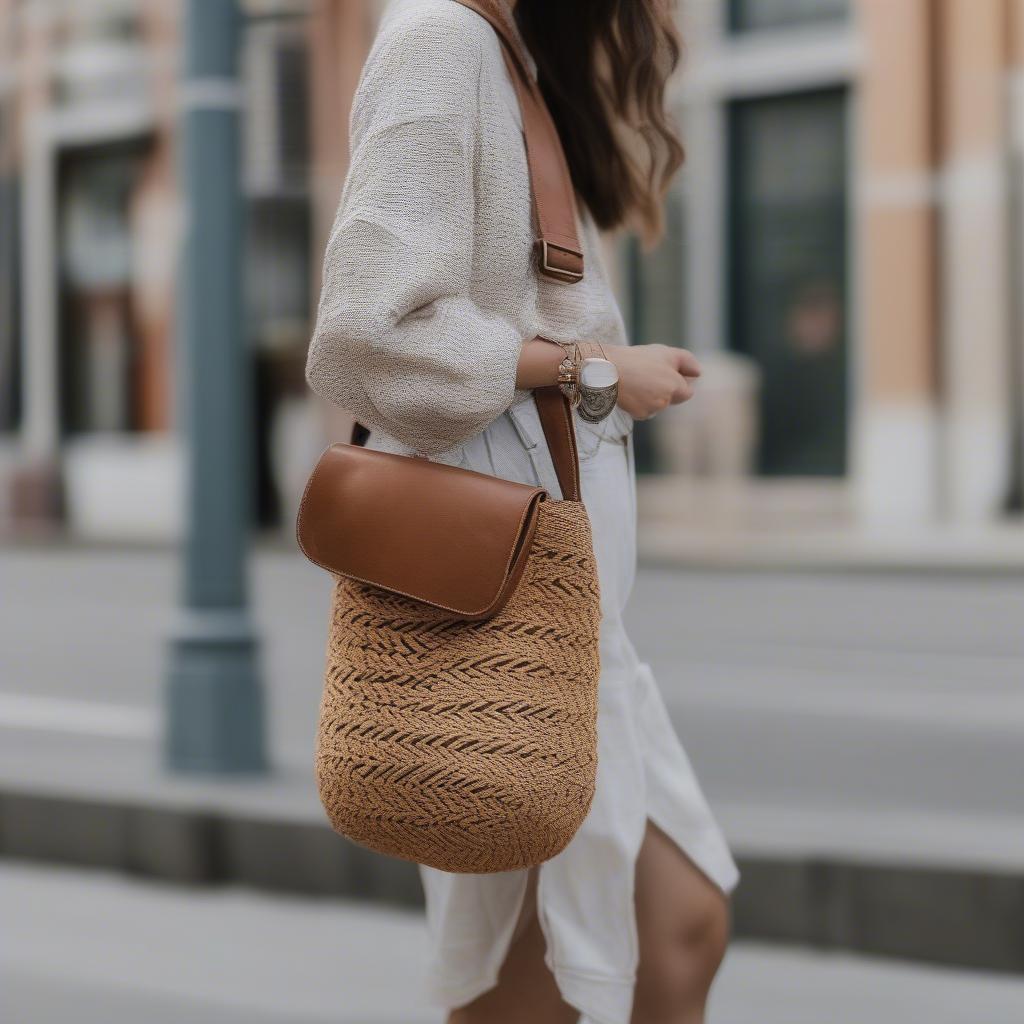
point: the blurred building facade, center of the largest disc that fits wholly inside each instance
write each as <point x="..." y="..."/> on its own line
<point x="844" y="246"/>
<point x="850" y="220"/>
<point x="92" y="218"/>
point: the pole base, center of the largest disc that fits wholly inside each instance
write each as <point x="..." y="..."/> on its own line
<point x="215" y="719"/>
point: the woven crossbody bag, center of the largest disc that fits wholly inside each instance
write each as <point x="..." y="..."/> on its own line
<point x="458" y="726"/>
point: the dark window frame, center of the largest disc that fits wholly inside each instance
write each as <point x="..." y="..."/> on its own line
<point x="733" y="297"/>
<point x="11" y="332"/>
<point x="640" y="266"/>
<point x="738" y="19"/>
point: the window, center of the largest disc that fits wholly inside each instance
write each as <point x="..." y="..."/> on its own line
<point x="99" y="56"/>
<point x="655" y="284"/>
<point x="276" y="125"/>
<point x="278" y="271"/>
<point x="10" y="348"/>
<point x="277" y="254"/>
<point x="277" y="296"/>
<point x="753" y="15"/>
<point x="788" y="267"/>
<point x="99" y="342"/>
<point x="293" y="109"/>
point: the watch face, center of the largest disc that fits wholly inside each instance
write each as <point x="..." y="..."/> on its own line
<point x="598" y="373"/>
<point x="599" y="389"/>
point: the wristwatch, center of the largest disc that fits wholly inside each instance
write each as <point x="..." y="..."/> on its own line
<point x="590" y="383"/>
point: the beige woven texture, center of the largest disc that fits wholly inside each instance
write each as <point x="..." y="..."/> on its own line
<point x="429" y="282"/>
<point x="469" y="747"/>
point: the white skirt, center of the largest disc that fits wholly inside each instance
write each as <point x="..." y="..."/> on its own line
<point x="585" y="894"/>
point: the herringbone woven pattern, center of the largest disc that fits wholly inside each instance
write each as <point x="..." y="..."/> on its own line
<point x="467" y="746"/>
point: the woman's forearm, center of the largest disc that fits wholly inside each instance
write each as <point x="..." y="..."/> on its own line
<point x="538" y="364"/>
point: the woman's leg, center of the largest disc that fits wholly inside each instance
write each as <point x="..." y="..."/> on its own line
<point x="526" y="990"/>
<point x="683" y="925"/>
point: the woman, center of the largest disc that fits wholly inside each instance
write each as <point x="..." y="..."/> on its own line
<point x="430" y="331"/>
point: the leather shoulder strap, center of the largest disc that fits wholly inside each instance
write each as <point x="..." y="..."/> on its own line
<point x="559" y="253"/>
<point x="560" y="434"/>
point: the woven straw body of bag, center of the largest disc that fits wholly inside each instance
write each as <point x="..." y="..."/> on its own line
<point x="458" y="727"/>
<point x="468" y="746"/>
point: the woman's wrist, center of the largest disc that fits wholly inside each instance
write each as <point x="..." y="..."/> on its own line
<point x="539" y="362"/>
<point x="570" y="369"/>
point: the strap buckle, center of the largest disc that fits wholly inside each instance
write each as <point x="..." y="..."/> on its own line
<point x="549" y="269"/>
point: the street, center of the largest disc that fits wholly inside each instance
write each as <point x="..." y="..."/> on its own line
<point x="878" y="713"/>
<point x="873" y="718"/>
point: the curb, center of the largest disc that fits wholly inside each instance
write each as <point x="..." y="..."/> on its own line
<point x="952" y="917"/>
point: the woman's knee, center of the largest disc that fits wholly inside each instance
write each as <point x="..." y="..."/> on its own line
<point x="677" y="970"/>
<point x="698" y="945"/>
<point x="706" y="937"/>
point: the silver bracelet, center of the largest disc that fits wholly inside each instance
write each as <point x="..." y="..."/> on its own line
<point x="598" y="388"/>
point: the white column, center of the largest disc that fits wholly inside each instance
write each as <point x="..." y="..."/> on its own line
<point x="976" y="304"/>
<point x="895" y="440"/>
<point x="975" y="386"/>
<point x="704" y="177"/>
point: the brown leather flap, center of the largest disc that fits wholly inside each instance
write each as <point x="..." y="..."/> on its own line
<point x="449" y="537"/>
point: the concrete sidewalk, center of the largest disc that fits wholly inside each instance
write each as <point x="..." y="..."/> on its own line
<point x="97" y="949"/>
<point x="810" y="525"/>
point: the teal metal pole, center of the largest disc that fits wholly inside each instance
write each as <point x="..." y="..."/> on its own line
<point x="214" y="699"/>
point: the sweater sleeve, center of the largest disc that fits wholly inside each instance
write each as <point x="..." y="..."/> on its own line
<point x="399" y="341"/>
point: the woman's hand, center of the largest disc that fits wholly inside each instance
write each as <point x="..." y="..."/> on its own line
<point x="653" y="377"/>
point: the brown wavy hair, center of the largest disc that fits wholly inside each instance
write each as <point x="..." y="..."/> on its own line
<point x="604" y="67"/>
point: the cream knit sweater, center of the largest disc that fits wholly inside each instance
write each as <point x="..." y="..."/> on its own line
<point x="429" y="288"/>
